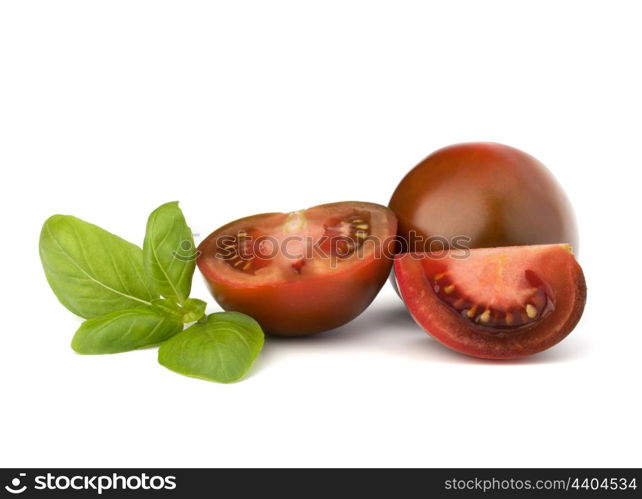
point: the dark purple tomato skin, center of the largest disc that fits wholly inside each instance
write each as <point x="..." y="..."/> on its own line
<point x="493" y="194"/>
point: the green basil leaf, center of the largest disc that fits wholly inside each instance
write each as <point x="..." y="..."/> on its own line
<point x="124" y="330"/>
<point x="91" y="271"/>
<point x="168" y="307"/>
<point x="192" y="310"/>
<point x="220" y="349"/>
<point x="169" y="253"/>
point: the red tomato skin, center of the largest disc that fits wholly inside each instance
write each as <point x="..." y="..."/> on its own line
<point x="303" y="307"/>
<point x="492" y="193"/>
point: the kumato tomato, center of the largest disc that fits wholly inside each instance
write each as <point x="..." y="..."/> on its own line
<point x="481" y="195"/>
<point x="302" y="272"/>
<point x="495" y="303"/>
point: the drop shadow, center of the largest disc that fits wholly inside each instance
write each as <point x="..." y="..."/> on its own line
<point x="388" y="327"/>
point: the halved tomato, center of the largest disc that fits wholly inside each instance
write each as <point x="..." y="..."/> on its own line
<point x="302" y="272"/>
<point x="494" y="303"/>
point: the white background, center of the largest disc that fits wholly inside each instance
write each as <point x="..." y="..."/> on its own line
<point x="108" y="109"/>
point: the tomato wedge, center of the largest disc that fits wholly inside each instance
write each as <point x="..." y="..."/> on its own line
<point x="303" y="272"/>
<point x="494" y="303"/>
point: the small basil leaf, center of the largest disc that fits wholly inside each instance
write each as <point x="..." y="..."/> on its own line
<point x="91" y="271"/>
<point x="124" y="330"/>
<point x="169" y="253"/>
<point x="192" y="310"/>
<point x="220" y="349"/>
<point x="168" y="307"/>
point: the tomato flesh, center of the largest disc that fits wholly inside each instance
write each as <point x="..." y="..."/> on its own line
<point x="497" y="303"/>
<point x="490" y="289"/>
<point x="302" y="272"/>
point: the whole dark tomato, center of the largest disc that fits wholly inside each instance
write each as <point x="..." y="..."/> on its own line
<point x="302" y="272"/>
<point x="481" y="195"/>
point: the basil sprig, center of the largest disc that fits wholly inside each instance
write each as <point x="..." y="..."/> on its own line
<point x="134" y="298"/>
